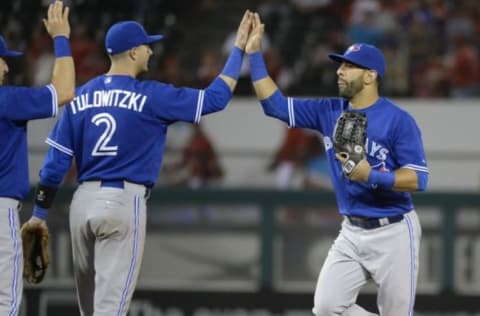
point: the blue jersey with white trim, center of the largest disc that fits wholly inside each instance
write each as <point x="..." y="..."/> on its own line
<point x="116" y="127"/>
<point x="393" y="141"/>
<point x="18" y="105"/>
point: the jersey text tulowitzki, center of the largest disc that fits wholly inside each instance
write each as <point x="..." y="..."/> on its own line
<point x="109" y="98"/>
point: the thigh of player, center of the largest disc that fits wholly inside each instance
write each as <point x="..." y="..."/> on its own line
<point x="340" y="279"/>
<point x="116" y="220"/>
<point x="11" y="258"/>
<point x="396" y="266"/>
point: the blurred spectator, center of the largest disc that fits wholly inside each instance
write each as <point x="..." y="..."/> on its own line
<point x="40" y="56"/>
<point x="366" y="30"/>
<point x="299" y="35"/>
<point x="170" y="71"/>
<point x="317" y="174"/>
<point x="199" y="166"/>
<point x="431" y="79"/>
<point x="210" y="67"/>
<point x="289" y="158"/>
<point x="465" y="69"/>
<point x="85" y="53"/>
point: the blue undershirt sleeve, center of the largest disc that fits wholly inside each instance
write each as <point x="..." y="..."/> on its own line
<point x="422" y="180"/>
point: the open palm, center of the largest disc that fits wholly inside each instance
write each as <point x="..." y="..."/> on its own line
<point x="254" y="42"/>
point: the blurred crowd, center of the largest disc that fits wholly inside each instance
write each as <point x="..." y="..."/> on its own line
<point x="431" y="46"/>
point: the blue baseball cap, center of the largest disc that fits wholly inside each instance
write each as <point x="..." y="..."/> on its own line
<point x="4" y="52"/>
<point x="363" y="55"/>
<point x="125" y="35"/>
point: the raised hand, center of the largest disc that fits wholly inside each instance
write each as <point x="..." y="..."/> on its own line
<point x="56" y="22"/>
<point x="254" y="42"/>
<point x="243" y="30"/>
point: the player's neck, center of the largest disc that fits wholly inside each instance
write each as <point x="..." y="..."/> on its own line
<point x="364" y="99"/>
<point x="121" y="69"/>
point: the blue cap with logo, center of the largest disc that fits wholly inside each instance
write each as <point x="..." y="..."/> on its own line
<point x="4" y="52"/>
<point x="125" y="35"/>
<point x="363" y="55"/>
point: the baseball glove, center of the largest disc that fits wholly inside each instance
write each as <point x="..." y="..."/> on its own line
<point x="349" y="137"/>
<point x="35" y="252"/>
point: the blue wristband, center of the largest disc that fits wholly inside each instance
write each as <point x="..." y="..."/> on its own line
<point x="234" y="63"/>
<point x="258" y="70"/>
<point x="384" y="180"/>
<point x="40" y="212"/>
<point x="61" y="46"/>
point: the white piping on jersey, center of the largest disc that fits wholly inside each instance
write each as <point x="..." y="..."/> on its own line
<point x="291" y="112"/>
<point x="61" y="148"/>
<point x="416" y="167"/>
<point x="133" y="262"/>
<point x="198" y="114"/>
<point x="54" y="99"/>
<point x="15" y="284"/>
<point x="413" y="266"/>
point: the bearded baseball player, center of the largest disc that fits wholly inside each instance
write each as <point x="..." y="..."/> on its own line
<point x="18" y="105"/>
<point x="376" y="159"/>
<point x="115" y="128"/>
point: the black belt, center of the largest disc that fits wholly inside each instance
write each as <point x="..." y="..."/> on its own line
<point x="121" y="184"/>
<point x="371" y="223"/>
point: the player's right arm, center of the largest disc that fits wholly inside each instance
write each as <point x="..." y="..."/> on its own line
<point x="231" y="71"/>
<point x="56" y="163"/>
<point x="295" y="112"/>
<point x="63" y="74"/>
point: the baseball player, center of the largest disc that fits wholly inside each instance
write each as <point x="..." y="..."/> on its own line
<point x="18" y="105"/>
<point x="380" y="233"/>
<point x="115" y="128"/>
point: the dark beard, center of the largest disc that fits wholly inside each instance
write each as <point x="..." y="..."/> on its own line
<point x="351" y="89"/>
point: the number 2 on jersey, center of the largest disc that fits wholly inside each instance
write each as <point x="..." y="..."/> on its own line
<point x="101" y="147"/>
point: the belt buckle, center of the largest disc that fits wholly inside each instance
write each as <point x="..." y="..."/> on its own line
<point x="383" y="221"/>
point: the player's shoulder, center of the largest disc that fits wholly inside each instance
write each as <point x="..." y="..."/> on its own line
<point x="158" y="88"/>
<point x="333" y="102"/>
<point x="392" y="107"/>
<point x="396" y="114"/>
<point x="91" y="84"/>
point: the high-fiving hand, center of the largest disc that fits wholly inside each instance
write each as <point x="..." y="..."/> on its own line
<point x="244" y="30"/>
<point x="254" y="42"/>
<point x="56" y="22"/>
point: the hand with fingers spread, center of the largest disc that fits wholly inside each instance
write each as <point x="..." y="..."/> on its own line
<point x="56" y="22"/>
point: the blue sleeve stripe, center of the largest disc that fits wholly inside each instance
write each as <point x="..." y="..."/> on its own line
<point x="416" y="167"/>
<point x="198" y="114"/>
<point x="59" y="147"/>
<point x="291" y="112"/>
<point x="54" y="99"/>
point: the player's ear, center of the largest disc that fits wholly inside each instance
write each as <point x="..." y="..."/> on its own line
<point x="370" y="76"/>
<point x="132" y="53"/>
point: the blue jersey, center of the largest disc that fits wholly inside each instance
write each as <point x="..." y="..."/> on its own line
<point x="116" y="127"/>
<point x="393" y="141"/>
<point x="18" y="105"/>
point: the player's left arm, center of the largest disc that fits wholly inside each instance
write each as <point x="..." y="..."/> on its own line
<point x="408" y="151"/>
<point x="412" y="175"/>
<point x="402" y="179"/>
